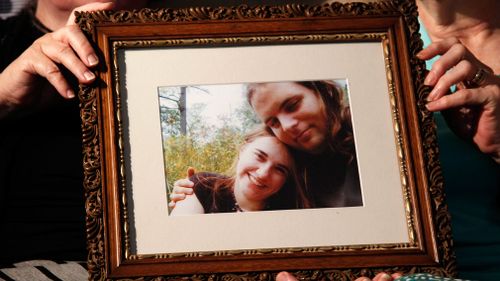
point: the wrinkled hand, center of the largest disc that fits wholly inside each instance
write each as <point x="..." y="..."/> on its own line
<point x="382" y="276"/>
<point x="472" y="112"/>
<point x="20" y="82"/>
<point x="182" y="188"/>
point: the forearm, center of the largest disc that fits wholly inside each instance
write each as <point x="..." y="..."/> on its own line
<point x="6" y="105"/>
<point x="437" y="12"/>
<point x="189" y="206"/>
<point x="463" y="19"/>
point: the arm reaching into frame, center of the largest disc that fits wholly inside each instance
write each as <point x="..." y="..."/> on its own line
<point x="189" y="205"/>
<point x="182" y="188"/>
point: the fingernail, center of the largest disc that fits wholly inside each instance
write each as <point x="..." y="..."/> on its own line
<point x="92" y="59"/>
<point x="430" y="79"/>
<point x="70" y="94"/>
<point x="430" y="106"/>
<point x="386" y="277"/>
<point x="432" y="95"/>
<point x="89" y="75"/>
<point x="285" y="276"/>
<point x="396" y="275"/>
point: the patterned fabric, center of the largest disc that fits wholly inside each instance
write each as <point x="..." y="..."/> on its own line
<point x="426" y="277"/>
<point x="44" y="270"/>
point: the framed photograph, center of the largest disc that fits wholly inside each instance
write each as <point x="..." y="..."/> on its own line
<point x="302" y="131"/>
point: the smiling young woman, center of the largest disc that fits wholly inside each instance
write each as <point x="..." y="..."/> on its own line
<point x="263" y="177"/>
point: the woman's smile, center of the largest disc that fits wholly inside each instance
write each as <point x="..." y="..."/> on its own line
<point x="256" y="181"/>
<point x="262" y="168"/>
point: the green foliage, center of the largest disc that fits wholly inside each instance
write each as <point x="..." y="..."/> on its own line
<point x="170" y="110"/>
<point x="205" y="145"/>
<point x="170" y="120"/>
<point x="215" y="155"/>
<point x="247" y="117"/>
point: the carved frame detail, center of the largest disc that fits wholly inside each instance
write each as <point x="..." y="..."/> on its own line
<point x="103" y="262"/>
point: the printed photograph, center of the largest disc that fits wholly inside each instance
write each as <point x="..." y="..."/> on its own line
<point x="258" y="147"/>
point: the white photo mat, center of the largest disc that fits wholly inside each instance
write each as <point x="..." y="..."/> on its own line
<point x="382" y="219"/>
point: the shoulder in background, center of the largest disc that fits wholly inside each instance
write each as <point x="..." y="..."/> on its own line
<point x="9" y="8"/>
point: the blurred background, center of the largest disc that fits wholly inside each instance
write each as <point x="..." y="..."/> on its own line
<point x="11" y="7"/>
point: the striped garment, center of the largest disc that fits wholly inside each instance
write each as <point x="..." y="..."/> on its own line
<point x="44" y="270"/>
<point x="426" y="277"/>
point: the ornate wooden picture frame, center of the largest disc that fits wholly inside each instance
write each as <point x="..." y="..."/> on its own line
<point x="403" y="224"/>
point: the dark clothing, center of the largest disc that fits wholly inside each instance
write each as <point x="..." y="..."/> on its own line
<point x="331" y="182"/>
<point x="42" y="213"/>
<point x="16" y="35"/>
<point x="213" y="202"/>
<point x="472" y="185"/>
